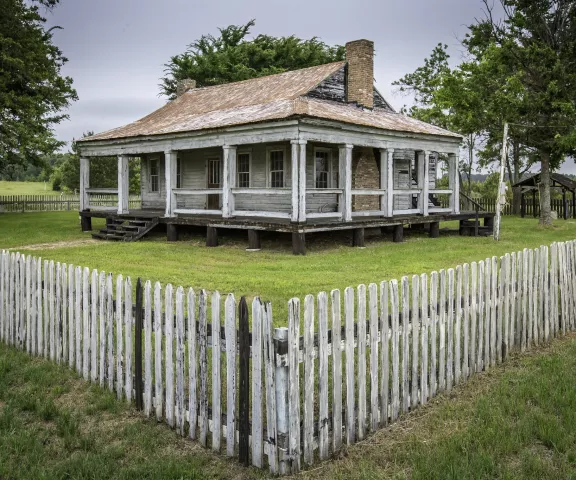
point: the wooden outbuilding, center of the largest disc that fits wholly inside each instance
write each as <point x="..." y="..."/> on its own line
<point x="310" y="150"/>
<point x="530" y="186"/>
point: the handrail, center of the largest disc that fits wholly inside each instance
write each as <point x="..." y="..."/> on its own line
<point x="474" y="202"/>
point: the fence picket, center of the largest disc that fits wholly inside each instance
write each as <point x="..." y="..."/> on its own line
<point x="27" y="280"/>
<point x="323" y="439"/>
<point x="415" y="330"/>
<point x="424" y="339"/>
<point x="336" y="369"/>
<point x="128" y="322"/>
<point x="148" y="353"/>
<point x="373" y="314"/>
<point x="450" y="324"/>
<point x="545" y="292"/>
<point x="180" y="341"/>
<point x="119" y="337"/>
<point x="78" y="320"/>
<point x="202" y="340"/>
<point x="384" y="355"/>
<point x="474" y="362"/>
<point x="58" y="313"/>
<point x="308" y="354"/>
<point x="494" y="334"/>
<point x="488" y="330"/>
<point x="405" y="292"/>
<point x="71" y="317"/>
<point x="51" y="305"/>
<point x="110" y="330"/>
<point x="217" y="379"/>
<point x="466" y="322"/>
<point x="94" y="327"/>
<point x="433" y="332"/>
<point x="394" y="303"/>
<point x="442" y="333"/>
<point x="230" y="326"/>
<point x="458" y="326"/>
<point x="192" y="366"/>
<point x="270" y="369"/>
<point x="350" y="397"/>
<point x="536" y="298"/>
<point x="169" y="353"/>
<point x="85" y="324"/>
<point x="64" y="332"/>
<point x="158" y="334"/>
<point x="512" y="301"/>
<point x="102" y="333"/>
<point x="361" y="352"/>
<point x="294" y="384"/>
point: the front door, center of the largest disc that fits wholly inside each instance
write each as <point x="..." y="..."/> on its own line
<point x="214" y="181"/>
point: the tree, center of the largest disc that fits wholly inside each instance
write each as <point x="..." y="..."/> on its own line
<point x="231" y="57"/>
<point x="33" y="92"/>
<point x="534" y="49"/>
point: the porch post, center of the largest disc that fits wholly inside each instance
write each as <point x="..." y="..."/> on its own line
<point x="123" y="184"/>
<point x="425" y="183"/>
<point x="84" y="183"/>
<point x="390" y="183"/>
<point x="383" y="180"/>
<point x="170" y="174"/>
<point x="454" y="182"/>
<point x="228" y="175"/>
<point x="294" y="162"/>
<point x="302" y="182"/>
<point x="345" y="163"/>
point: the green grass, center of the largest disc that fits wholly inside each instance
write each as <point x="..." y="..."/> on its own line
<point x="517" y="421"/>
<point x="26" y="188"/>
<point x="273" y="273"/>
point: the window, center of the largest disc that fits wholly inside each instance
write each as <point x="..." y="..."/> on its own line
<point x="214" y="172"/>
<point x="154" y="175"/>
<point x="322" y="168"/>
<point x="178" y="172"/>
<point x="243" y="168"/>
<point x="276" y="158"/>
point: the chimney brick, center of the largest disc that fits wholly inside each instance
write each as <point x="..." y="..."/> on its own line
<point x="184" y="85"/>
<point x="360" y="79"/>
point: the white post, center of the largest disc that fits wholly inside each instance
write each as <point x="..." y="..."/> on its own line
<point x="346" y="181"/>
<point x="302" y="182"/>
<point x="383" y="179"/>
<point x="421" y="201"/>
<point x="84" y="183"/>
<point x="227" y="198"/>
<point x="232" y="168"/>
<point x="390" y="183"/>
<point x="425" y="182"/>
<point x="294" y="161"/>
<point x="501" y="185"/>
<point x="454" y="182"/>
<point x="123" y="184"/>
<point x="170" y="172"/>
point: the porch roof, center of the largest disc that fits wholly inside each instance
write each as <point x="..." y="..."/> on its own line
<point x="274" y="97"/>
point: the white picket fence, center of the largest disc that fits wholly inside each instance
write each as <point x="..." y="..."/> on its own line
<point x="389" y="348"/>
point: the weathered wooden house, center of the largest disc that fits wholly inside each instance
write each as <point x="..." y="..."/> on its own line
<point x="310" y="150"/>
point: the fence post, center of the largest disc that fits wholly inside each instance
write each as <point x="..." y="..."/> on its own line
<point x="138" y="347"/>
<point x="282" y="420"/>
<point x="244" y="390"/>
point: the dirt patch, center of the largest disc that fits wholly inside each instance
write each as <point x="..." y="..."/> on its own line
<point x="55" y="245"/>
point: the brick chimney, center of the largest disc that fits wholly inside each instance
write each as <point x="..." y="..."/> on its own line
<point x="360" y="77"/>
<point x="184" y="85"/>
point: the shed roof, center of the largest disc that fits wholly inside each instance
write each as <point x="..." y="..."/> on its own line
<point x="556" y="179"/>
<point x="273" y="97"/>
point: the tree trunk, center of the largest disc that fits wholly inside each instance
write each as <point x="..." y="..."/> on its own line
<point x="516" y="192"/>
<point x="545" y="210"/>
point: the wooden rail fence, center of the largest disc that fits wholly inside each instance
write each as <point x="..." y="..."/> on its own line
<point x="284" y="398"/>
<point x="59" y="203"/>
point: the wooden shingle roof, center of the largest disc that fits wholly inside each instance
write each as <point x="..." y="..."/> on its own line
<point x="274" y="97"/>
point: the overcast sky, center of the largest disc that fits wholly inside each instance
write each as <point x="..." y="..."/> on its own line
<point x="117" y="48"/>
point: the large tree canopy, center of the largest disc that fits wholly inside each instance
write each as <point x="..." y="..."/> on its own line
<point x="33" y="92"/>
<point x="520" y="70"/>
<point x="232" y="57"/>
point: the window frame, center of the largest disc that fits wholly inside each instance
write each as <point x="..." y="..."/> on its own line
<point x="330" y="171"/>
<point x="269" y="170"/>
<point x="213" y="156"/>
<point x="249" y="153"/>
<point x="150" y="181"/>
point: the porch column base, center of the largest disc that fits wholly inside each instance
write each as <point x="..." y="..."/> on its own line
<point x="298" y="243"/>
<point x="172" y="232"/>
<point x="398" y="235"/>
<point x="86" y="223"/>
<point x="434" y="229"/>
<point x="211" y="237"/>
<point x="254" y="240"/>
<point x="358" y="238"/>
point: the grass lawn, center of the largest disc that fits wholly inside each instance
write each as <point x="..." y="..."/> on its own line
<point x="516" y="421"/>
<point x="26" y="188"/>
<point x="273" y="273"/>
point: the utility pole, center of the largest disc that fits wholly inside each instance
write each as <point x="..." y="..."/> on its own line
<point x="501" y="185"/>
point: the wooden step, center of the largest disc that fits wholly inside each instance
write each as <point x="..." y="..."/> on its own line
<point x="126" y="229"/>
